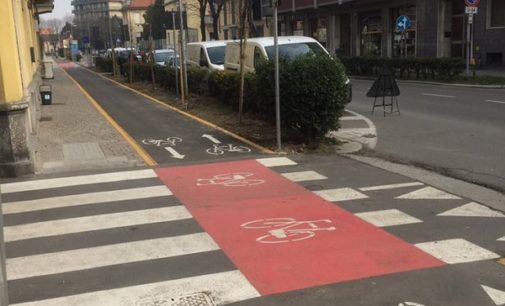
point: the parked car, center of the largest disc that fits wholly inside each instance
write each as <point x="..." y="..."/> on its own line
<point x="258" y="49"/>
<point x="123" y="57"/>
<point x="208" y="54"/>
<point x="161" y="56"/>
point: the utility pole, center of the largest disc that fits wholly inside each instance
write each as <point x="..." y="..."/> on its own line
<point x="277" y="85"/>
<point x="114" y="61"/>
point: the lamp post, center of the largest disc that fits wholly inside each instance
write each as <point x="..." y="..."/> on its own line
<point x="277" y="87"/>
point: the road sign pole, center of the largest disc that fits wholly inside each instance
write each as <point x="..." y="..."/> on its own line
<point x="468" y="46"/>
<point x="277" y="86"/>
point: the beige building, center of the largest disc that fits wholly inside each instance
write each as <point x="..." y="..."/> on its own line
<point x="20" y="63"/>
<point x="192" y="8"/>
<point x="135" y="18"/>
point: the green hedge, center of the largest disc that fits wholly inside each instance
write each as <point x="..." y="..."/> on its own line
<point x="406" y="68"/>
<point x="313" y="92"/>
<point x="103" y="64"/>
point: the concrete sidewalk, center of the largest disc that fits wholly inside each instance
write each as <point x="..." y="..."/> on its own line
<point x="74" y="136"/>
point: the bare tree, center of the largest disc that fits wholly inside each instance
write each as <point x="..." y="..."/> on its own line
<point x="244" y="21"/>
<point x="216" y="6"/>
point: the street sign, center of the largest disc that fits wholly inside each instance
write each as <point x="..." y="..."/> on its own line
<point x="403" y="23"/>
<point x="471" y="10"/>
<point x="472" y="3"/>
<point x="85" y="40"/>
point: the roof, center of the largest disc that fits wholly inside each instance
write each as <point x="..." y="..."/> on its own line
<point x="211" y="43"/>
<point x="283" y="40"/>
<point x="141" y="3"/>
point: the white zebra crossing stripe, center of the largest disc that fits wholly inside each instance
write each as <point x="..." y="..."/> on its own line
<point x="85" y="198"/>
<point x="454" y="251"/>
<point x="390" y="186"/>
<point x="225" y="288"/>
<point x="340" y="194"/>
<point x="389" y="217"/>
<point x="502" y="239"/>
<point x="303" y="176"/>
<point x="77" y="180"/>
<point x="92" y="223"/>
<point x="496" y="295"/>
<point x="276" y="161"/>
<point x="81" y="259"/>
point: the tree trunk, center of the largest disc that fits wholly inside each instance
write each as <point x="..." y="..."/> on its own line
<point x="243" y="40"/>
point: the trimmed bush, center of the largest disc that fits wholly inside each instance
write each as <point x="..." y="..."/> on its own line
<point x="313" y="95"/>
<point x="406" y="68"/>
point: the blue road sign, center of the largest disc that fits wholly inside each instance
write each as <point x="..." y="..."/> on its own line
<point x="403" y="23"/>
<point x="472" y="2"/>
<point x="85" y="40"/>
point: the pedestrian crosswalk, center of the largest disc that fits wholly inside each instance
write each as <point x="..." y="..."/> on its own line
<point x="133" y="246"/>
<point x="123" y="238"/>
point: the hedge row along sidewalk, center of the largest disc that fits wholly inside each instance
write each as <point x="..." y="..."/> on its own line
<point x="312" y="88"/>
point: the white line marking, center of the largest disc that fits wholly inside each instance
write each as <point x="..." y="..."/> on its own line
<point x="93" y="223"/>
<point x="304" y="176"/>
<point x="455" y="251"/>
<point x="340" y="194"/>
<point x="356" y="131"/>
<point x="428" y="193"/>
<point x="436" y="95"/>
<point x="225" y="288"/>
<point x="496" y="295"/>
<point x="390" y="186"/>
<point x="102" y="256"/>
<point x="211" y="138"/>
<point x="495" y="101"/>
<point x="390" y="217"/>
<point x="473" y="209"/>
<point x="86" y="198"/>
<point x="350" y="118"/>
<point x="502" y="239"/>
<point x="77" y="180"/>
<point x="276" y="161"/>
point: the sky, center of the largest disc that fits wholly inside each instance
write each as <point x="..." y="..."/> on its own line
<point x="61" y="8"/>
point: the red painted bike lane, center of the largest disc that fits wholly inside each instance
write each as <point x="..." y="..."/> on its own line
<point x="282" y="236"/>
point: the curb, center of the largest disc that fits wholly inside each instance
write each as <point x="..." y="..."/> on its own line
<point x="193" y="117"/>
<point x="436" y="83"/>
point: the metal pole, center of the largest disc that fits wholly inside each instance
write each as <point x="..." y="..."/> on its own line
<point x="471" y="46"/>
<point x="114" y="61"/>
<point x="175" y="58"/>
<point x="184" y="43"/>
<point x="277" y="89"/>
<point x="468" y="46"/>
<point x="4" y="299"/>
<point x="184" y="82"/>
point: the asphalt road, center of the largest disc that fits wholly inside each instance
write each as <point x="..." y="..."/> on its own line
<point x="453" y="130"/>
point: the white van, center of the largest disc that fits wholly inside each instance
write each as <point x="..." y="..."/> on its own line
<point x="263" y="48"/>
<point x="258" y="49"/>
<point x="207" y="54"/>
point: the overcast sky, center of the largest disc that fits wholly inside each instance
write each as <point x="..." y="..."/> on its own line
<point x="61" y="8"/>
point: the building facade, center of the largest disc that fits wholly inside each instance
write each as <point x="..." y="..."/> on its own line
<point x="368" y="27"/>
<point x="20" y="62"/>
<point x="135" y="18"/>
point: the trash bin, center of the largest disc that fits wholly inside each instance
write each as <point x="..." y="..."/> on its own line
<point x="48" y="69"/>
<point x="46" y="94"/>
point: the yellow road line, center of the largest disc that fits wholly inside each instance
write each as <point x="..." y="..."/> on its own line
<point x="136" y="147"/>
<point x="198" y="119"/>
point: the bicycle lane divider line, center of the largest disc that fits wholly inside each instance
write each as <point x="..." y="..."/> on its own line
<point x="281" y="236"/>
<point x="136" y="147"/>
<point x="259" y="147"/>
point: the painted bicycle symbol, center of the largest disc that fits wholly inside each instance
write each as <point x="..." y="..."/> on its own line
<point x="239" y="179"/>
<point x="169" y="141"/>
<point x="287" y="229"/>
<point x="220" y="149"/>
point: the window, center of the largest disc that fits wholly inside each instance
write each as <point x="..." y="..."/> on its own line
<point x="497" y="13"/>
<point x="294" y="50"/>
<point x="371" y="34"/>
<point x="216" y="55"/>
<point x="257" y="56"/>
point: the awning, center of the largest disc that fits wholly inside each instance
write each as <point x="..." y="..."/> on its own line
<point x="43" y="6"/>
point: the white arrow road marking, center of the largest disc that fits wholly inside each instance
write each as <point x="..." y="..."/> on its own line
<point x="497" y="296"/>
<point x="473" y="209"/>
<point x="174" y="153"/>
<point x="502" y="239"/>
<point x="211" y="138"/>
